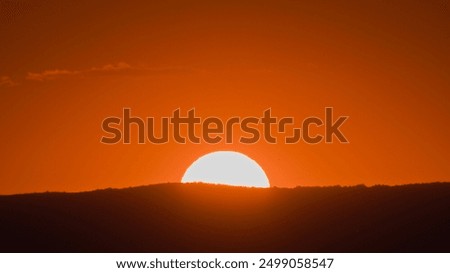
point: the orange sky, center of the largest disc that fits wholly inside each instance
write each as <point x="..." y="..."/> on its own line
<point x="66" y="66"/>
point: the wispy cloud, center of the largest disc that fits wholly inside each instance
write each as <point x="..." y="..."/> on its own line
<point x="7" y="81"/>
<point x="114" y="67"/>
<point x="50" y="74"/>
<point x="59" y="73"/>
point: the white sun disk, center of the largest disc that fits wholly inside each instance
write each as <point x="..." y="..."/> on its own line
<point x="226" y="167"/>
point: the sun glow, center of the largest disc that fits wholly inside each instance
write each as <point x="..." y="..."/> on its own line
<point x="226" y="167"/>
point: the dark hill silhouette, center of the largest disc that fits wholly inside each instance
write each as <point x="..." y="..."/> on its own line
<point x="209" y="218"/>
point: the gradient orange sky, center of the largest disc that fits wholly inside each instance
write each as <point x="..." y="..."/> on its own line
<point x="65" y="66"/>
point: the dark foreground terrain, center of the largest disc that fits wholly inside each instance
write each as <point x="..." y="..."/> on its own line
<point x="208" y="218"/>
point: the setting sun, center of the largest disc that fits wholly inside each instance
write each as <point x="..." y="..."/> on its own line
<point x="226" y="167"/>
